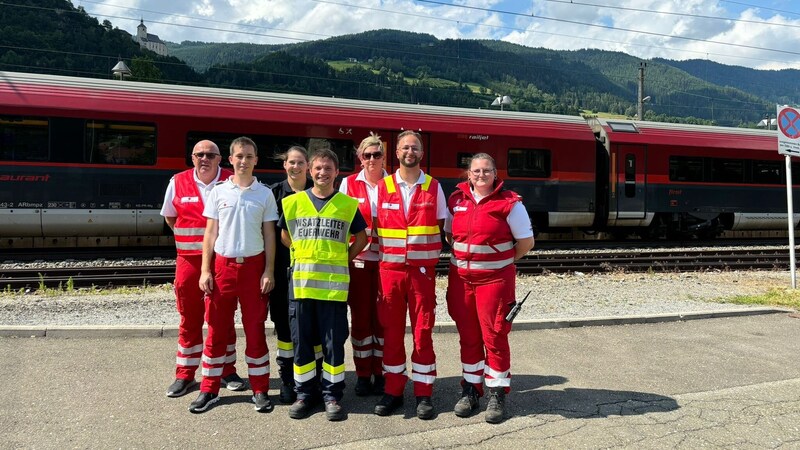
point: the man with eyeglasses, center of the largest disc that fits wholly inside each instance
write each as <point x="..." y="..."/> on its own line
<point x="183" y="211"/>
<point x="411" y="210"/>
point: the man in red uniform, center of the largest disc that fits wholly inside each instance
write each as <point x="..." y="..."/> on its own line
<point x="238" y="261"/>
<point x="183" y="211"/>
<point x="410" y="211"/>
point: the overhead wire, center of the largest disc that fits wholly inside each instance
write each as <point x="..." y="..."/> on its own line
<point x="316" y="34"/>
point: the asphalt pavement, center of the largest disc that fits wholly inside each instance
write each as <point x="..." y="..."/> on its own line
<point x="718" y="382"/>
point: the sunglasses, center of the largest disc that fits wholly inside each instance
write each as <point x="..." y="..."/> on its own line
<point x="201" y="155"/>
<point x="376" y="155"/>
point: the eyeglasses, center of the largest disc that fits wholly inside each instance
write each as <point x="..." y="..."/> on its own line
<point x="376" y="155"/>
<point x="202" y="155"/>
<point x="478" y="172"/>
<point x="413" y="148"/>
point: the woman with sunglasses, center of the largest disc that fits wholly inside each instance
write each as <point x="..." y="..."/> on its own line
<point x="489" y="231"/>
<point x="295" y="162"/>
<point x="366" y="334"/>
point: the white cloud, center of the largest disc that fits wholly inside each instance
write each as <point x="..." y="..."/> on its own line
<point x="282" y="21"/>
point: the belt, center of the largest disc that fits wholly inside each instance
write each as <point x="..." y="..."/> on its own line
<point x="240" y="259"/>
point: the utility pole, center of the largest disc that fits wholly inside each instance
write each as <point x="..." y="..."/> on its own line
<point x="640" y="110"/>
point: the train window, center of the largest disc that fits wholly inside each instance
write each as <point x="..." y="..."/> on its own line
<point x="270" y="146"/>
<point x="768" y="172"/>
<point x="24" y="138"/>
<point x="727" y="170"/>
<point x="463" y="159"/>
<point x="625" y="127"/>
<point x="630" y="175"/>
<point x="683" y="168"/>
<point x="119" y="143"/>
<point x="533" y="163"/>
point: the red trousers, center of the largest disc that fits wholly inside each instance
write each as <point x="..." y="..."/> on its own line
<point x="366" y="333"/>
<point x="411" y="291"/>
<point x="478" y="305"/>
<point x="191" y="304"/>
<point x="234" y="280"/>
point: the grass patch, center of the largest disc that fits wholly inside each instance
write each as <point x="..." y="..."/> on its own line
<point x="70" y="289"/>
<point x="783" y="297"/>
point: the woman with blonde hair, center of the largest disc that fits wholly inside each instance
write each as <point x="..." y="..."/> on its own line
<point x="366" y="333"/>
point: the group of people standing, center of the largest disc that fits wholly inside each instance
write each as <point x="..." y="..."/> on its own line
<point x="307" y="251"/>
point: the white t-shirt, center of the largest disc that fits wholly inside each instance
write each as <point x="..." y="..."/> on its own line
<point x="240" y="212"/>
<point x="168" y="209"/>
<point x="517" y="219"/>
<point x="407" y="191"/>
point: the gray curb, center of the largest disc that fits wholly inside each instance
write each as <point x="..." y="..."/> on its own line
<point x="156" y="331"/>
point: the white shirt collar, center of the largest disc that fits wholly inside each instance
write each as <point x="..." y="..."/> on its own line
<point x="214" y="181"/>
<point x="399" y="180"/>
<point x="362" y="177"/>
<point x="255" y="186"/>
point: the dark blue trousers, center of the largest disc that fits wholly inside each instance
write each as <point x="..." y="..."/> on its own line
<point x="312" y="322"/>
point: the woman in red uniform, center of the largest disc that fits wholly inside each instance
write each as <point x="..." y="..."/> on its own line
<point x="490" y="229"/>
<point x="366" y="333"/>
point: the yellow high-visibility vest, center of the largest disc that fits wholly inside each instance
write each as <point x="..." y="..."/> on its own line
<point x="320" y="242"/>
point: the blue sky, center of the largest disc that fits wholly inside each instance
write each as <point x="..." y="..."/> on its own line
<point x="763" y="34"/>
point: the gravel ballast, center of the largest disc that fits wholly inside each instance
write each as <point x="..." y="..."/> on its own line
<point x="573" y="296"/>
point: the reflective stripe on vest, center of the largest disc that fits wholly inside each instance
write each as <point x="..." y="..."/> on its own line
<point x="319" y="249"/>
<point x="358" y="189"/>
<point x="481" y="234"/>
<point x="190" y="225"/>
<point x="412" y="240"/>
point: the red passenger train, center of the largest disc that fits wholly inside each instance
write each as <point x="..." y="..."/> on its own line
<point x="85" y="161"/>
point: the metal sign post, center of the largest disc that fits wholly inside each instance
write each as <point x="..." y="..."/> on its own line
<point x="790" y="205"/>
<point x="789" y="145"/>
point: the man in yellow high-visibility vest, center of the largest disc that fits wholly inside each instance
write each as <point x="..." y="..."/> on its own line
<point x="316" y="225"/>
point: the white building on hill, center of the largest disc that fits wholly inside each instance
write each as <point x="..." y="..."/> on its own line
<point x="149" y="41"/>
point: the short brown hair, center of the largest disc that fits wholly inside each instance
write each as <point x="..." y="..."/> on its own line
<point x="242" y="142"/>
<point x="322" y="153"/>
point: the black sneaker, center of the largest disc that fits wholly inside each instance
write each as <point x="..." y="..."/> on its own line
<point x="363" y="386"/>
<point x="287" y="395"/>
<point x="495" y="407"/>
<point x="261" y="399"/>
<point x="387" y="404"/>
<point x="203" y="402"/>
<point x="300" y="408"/>
<point x="334" y="411"/>
<point x="468" y="401"/>
<point x="233" y="382"/>
<point x="378" y="385"/>
<point x="179" y="387"/>
<point x="424" y="408"/>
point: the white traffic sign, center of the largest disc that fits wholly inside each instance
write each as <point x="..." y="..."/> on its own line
<point x="788" y="131"/>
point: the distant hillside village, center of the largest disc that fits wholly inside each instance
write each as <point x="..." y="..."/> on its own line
<point x="149" y="41"/>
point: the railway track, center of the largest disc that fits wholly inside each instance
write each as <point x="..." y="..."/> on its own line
<point x="641" y="260"/>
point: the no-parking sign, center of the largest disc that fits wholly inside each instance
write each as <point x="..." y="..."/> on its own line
<point x="788" y="131"/>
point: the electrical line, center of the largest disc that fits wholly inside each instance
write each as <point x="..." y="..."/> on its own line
<point x="610" y="27"/>
<point x="670" y="13"/>
<point x="761" y="7"/>
<point x="625" y="79"/>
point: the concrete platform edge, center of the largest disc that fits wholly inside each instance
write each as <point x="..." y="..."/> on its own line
<point x="150" y="331"/>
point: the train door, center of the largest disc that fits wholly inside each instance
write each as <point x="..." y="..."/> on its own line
<point x="629" y="180"/>
<point x="389" y="139"/>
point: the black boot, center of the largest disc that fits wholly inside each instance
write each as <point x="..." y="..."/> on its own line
<point x="495" y="407"/>
<point x="468" y="401"/>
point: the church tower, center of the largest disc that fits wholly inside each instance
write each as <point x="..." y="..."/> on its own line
<point x="141" y="31"/>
